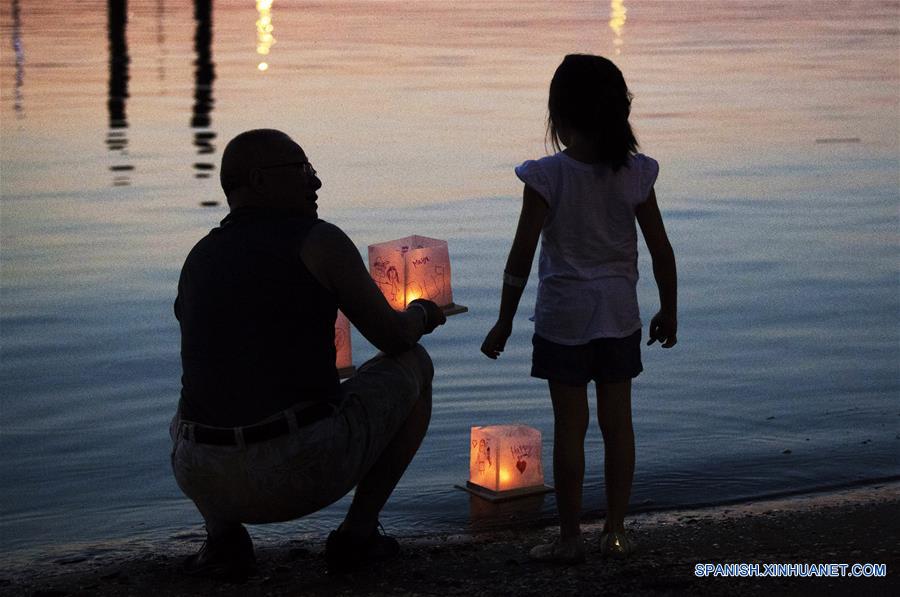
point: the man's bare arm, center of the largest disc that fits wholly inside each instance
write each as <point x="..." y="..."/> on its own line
<point x="333" y="260"/>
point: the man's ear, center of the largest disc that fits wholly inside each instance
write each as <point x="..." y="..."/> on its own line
<point x="256" y="179"/>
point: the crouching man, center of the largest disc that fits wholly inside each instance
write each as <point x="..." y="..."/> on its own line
<point x="264" y="431"/>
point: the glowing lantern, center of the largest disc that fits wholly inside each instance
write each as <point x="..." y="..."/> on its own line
<point x="342" y="346"/>
<point x="505" y="462"/>
<point x="413" y="267"/>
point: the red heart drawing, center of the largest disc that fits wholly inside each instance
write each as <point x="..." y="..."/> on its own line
<point x="521" y="464"/>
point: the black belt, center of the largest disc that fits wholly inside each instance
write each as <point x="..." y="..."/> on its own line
<point x="260" y="432"/>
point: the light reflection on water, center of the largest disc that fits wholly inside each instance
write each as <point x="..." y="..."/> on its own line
<point x="415" y="114"/>
<point x="618" y="15"/>
<point x="264" y="28"/>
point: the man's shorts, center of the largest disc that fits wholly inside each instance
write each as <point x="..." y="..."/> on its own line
<point x="301" y="472"/>
<point x="604" y="360"/>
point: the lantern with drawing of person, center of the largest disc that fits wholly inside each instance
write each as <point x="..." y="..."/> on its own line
<point x="342" y="346"/>
<point x="505" y="462"/>
<point x="413" y="267"/>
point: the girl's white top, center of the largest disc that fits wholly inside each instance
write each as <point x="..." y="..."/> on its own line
<point x="588" y="262"/>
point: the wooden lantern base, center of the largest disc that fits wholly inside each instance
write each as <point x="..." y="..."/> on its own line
<point x="454" y="309"/>
<point x="502" y="496"/>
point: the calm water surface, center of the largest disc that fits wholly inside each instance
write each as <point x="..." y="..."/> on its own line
<point x="776" y="125"/>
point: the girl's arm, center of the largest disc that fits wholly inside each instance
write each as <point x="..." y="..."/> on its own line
<point x="664" y="325"/>
<point x="518" y="266"/>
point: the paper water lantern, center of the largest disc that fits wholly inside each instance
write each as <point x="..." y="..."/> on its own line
<point x="342" y="346"/>
<point x="505" y="462"/>
<point x="413" y="267"/>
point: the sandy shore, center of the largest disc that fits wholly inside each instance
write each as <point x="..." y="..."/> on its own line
<point x="860" y="525"/>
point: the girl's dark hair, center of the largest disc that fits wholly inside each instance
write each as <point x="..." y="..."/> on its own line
<point x="588" y="94"/>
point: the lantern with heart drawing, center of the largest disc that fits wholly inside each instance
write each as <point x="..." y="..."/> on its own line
<point x="413" y="267"/>
<point x="505" y="462"/>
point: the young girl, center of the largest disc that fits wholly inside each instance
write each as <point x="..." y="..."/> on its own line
<point x="582" y="203"/>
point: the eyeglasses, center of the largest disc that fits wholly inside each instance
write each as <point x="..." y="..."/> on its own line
<point x="304" y="167"/>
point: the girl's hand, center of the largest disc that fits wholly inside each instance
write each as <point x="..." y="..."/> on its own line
<point x="663" y="327"/>
<point x="495" y="341"/>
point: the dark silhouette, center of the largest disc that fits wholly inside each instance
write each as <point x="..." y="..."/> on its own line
<point x="116" y="139"/>
<point x="19" y="51"/>
<point x="584" y="202"/>
<point x="161" y="42"/>
<point x="204" y="75"/>
<point x="264" y="430"/>
<point x="589" y="94"/>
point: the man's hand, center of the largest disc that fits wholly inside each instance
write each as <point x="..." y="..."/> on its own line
<point x="434" y="316"/>
<point x="663" y="327"/>
<point x="495" y="341"/>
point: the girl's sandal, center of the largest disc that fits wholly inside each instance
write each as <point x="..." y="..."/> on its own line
<point x="560" y="552"/>
<point x="616" y="545"/>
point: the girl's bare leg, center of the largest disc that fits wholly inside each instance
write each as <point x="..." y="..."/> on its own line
<point x="570" y="410"/>
<point x="614" y="414"/>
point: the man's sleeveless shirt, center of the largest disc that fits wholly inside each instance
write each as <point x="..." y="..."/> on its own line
<point x="257" y="329"/>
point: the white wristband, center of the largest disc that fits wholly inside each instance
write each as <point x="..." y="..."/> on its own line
<point x="514" y="281"/>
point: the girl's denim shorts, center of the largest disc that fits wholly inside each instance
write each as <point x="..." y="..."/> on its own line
<point x="604" y="360"/>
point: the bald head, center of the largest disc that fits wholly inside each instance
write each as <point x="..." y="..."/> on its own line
<point x="258" y="148"/>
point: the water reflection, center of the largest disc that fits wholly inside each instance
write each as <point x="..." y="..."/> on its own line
<point x="264" y="38"/>
<point x="116" y="139"/>
<point x="204" y="74"/>
<point x="617" y="20"/>
<point x="485" y="515"/>
<point x="19" y="51"/>
<point x="160" y="43"/>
